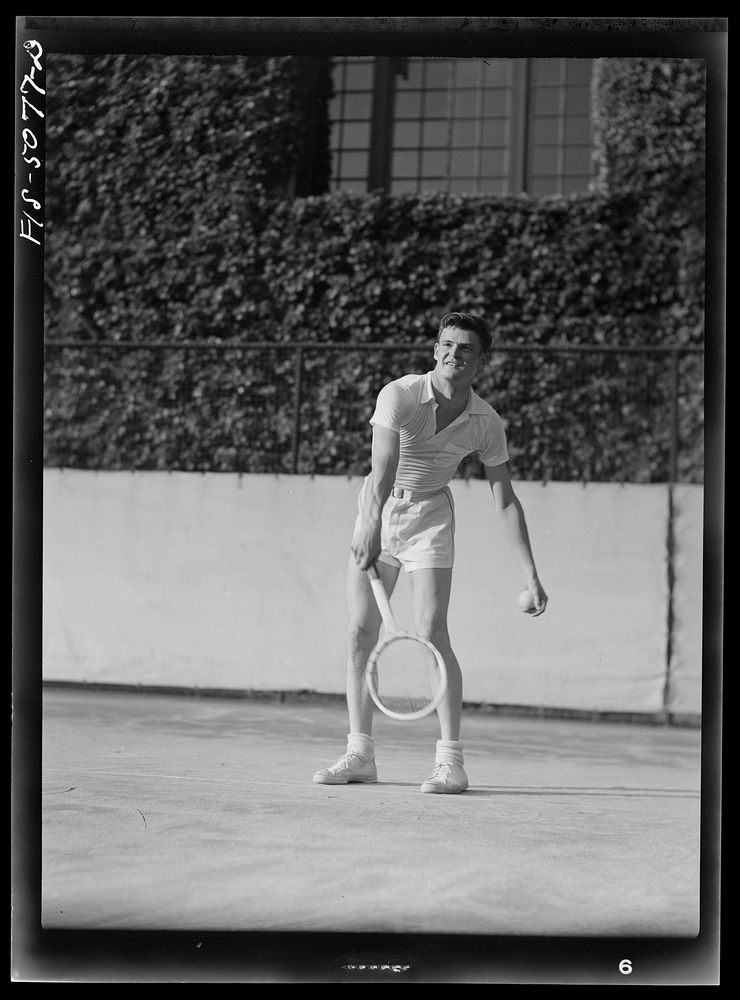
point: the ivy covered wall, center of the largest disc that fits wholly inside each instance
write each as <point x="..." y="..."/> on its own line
<point x="170" y="219"/>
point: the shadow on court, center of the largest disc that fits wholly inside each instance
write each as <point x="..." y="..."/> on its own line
<point x="191" y="813"/>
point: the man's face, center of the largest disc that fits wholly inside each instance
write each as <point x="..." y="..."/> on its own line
<point x="458" y="355"/>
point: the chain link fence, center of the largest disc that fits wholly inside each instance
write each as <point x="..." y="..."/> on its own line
<point x="573" y="413"/>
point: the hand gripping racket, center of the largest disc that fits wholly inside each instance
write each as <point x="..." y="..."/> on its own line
<point x="405" y="674"/>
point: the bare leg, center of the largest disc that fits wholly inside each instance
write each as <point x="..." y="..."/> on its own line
<point x="431" y="596"/>
<point x="362" y="635"/>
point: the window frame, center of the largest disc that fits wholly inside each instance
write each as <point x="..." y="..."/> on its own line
<point x="518" y="178"/>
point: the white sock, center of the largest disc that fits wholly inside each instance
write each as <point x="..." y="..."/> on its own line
<point x="362" y="744"/>
<point x="449" y="752"/>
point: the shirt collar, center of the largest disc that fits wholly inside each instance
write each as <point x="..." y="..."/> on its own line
<point x="474" y="405"/>
<point x="427" y="392"/>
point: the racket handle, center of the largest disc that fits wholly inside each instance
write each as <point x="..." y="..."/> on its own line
<point x="381" y="596"/>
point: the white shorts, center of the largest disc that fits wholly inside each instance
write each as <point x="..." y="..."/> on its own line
<point x="416" y="533"/>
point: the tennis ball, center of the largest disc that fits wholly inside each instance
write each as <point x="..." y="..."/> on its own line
<point x="526" y="601"/>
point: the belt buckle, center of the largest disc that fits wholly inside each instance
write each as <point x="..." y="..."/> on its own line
<point x="398" y="493"/>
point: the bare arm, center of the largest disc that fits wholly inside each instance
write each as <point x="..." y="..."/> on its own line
<point x="514" y="524"/>
<point x="366" y="542"/>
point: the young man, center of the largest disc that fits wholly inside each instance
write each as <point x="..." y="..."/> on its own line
<point x="423" y="426"/>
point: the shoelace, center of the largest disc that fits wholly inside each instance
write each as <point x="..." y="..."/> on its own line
<point x="441" y="770"/>
<point x="346" y="761"/>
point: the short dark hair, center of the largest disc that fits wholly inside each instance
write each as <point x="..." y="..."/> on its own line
<point x="468" y="321"/>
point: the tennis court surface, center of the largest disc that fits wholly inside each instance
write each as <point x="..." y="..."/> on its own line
<point x="182" y="813"/>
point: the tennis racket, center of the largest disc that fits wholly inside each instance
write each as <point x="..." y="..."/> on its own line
<point x="405" y="674"/>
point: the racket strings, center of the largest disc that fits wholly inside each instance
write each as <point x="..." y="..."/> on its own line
<point x="407" y="675"/>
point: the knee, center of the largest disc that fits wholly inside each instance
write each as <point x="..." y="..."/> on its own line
<point x="361" y="635"/>
<point x="434" y="630"/>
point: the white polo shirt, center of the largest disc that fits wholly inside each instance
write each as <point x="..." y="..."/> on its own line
<point x="429" y="460"/>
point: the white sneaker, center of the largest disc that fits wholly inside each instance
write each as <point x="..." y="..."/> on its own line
<point x="447" y="778"/>
<point x="351" y="767"/>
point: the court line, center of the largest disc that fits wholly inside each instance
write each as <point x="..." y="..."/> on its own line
<point x="615" y="790"/>
<point x="600" y="791"/>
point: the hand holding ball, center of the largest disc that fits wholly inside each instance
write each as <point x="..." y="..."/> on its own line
<point x="526" y="601"/>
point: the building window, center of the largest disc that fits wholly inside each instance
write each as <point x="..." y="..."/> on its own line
<point x="351" y="113"/>
<point x="559" y="126"/>
<point x="492" y="126"/>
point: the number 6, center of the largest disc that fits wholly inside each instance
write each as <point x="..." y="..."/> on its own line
<point x="625" y="966"/>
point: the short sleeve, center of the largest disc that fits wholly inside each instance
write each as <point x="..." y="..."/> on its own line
<point x="392" y="407"/>
<point x="494" y="450"/>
